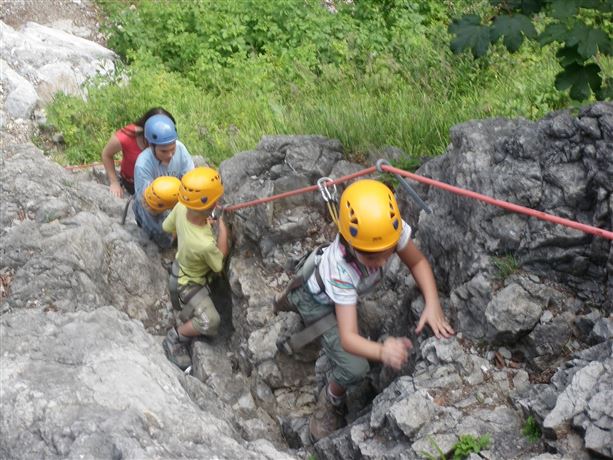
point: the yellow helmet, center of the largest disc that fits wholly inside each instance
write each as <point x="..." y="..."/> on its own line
<point x="200" y="188"/>
<point x="162" y="193"/>
<point x="369" y="218"/>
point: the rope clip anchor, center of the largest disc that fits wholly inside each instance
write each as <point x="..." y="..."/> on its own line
<point x="331" y="198"/>
<point x="325" y="193"/>
<point x="405" y="185"/>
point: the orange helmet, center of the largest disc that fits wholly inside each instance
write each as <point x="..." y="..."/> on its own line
<point x="200" y="188"/>
<point x="369" y="218"/>
<point x="162" y="193"/>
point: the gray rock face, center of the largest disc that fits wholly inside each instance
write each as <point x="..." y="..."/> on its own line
<point x="512" y="312"/>
<point x="81" y="295"/>
<point x="21" y="96"/>
<point x="50" y="60"/>
<point x="560" y="165"/>
<point x="96" y="385"/>
<point x="63" y="240"/>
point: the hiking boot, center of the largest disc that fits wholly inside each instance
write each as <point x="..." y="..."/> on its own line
<point x="327" y="417"/>
<point x="176" y="351"/>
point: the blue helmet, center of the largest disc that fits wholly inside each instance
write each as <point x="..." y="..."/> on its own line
<point x="160" y="130"/>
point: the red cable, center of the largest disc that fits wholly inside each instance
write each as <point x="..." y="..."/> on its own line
<point x="503" y="204"/>
<point x="425" y="180"/>
<point x="84" y="166"/>
<point x="310" y="188"/>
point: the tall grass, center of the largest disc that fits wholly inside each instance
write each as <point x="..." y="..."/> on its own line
<point x="409" y="99"/>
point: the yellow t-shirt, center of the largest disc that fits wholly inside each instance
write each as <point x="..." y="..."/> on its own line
<point x="197" y="251"/>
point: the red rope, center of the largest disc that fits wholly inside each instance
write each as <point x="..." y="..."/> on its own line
<point x="85" y="166"/>
<point x="310" y="188"/>
<point x="503" y="204"/>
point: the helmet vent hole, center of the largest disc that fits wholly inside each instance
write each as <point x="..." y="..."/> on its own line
<point x="353" y="231"/>
<point x="204" y="199"/>
<point x="395" y="224"/>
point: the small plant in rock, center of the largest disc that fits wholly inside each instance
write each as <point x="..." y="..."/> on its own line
<point x="531" y="430"/>
<point x="468" y="444"/>
<point x="506" y="265"/>
<point x="440" y="455"/>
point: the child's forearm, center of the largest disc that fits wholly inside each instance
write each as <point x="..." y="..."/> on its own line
<point x="424" y="277"/>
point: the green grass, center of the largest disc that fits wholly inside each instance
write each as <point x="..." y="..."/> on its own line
<point x="367" y="85"/>
<point x="468" y="444"/>
<point x="505" y="266"/>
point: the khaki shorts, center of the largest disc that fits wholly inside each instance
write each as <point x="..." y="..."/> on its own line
<point x="199" y="308"/>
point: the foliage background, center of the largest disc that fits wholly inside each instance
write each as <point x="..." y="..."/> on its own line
<point x="370" y="73"/>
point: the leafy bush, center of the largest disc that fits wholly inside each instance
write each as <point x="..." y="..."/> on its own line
<point x="468" y="444"/>
<point x="583" y="30"/>
<point x="374" y="73"/>
<point x="531" y="430"/>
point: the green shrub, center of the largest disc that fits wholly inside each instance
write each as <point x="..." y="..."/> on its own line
<point x="440" y="455"/>
<point x="531" y="430"/>
<point x="375" y="73"/>
<point x="506" y="266"/>
<point x="468" y="444"/>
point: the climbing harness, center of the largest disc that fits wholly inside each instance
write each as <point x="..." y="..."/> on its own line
<point x="195" y="294"/>
<point x="305" y="268"/>
<point x="289" y="345"/>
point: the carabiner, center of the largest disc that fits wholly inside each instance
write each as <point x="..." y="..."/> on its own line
<point x="405" y="185"/>
<point x="331" y="199"/>
<point x="325" y="193"/>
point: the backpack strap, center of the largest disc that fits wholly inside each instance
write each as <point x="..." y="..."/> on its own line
<point x="320" y="281"/>
<point x="305" y="267"/>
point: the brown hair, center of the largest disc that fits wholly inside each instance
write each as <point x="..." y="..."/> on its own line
<point x="153" y="111"/>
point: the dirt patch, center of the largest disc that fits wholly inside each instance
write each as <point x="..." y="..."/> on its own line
<point x="78" y="17"/>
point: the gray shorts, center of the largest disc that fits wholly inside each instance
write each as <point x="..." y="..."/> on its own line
<point x="347" y="369"/>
